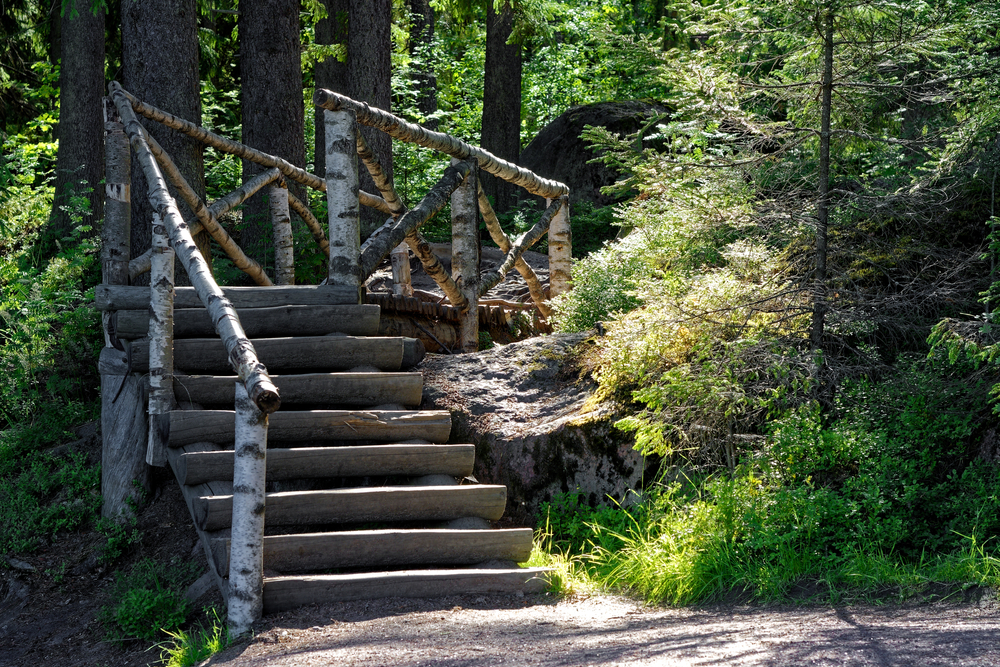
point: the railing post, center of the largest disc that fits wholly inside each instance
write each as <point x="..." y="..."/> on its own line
<point x="246" y="550"/>
<point x="124" y="432"/>
<point x="560" y="250"/>
<point x="402" y="283"/>
<point x="161" y="343"/>
<point x="341" y="129"/>
<point x="465" y="256"/>
<point x="281" y="231"/>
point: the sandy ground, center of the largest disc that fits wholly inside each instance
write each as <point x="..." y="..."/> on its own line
<point x="602" y="630"/>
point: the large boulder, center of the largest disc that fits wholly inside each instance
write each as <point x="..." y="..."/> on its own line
<point x="559" y="153"/>
<point x="525" y="407"/>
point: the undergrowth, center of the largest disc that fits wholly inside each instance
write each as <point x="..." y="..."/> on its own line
<point x="884" y="502"/>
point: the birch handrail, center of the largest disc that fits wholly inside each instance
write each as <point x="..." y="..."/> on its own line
<point x="241" y="353"/>
<point x="398" y="128"/>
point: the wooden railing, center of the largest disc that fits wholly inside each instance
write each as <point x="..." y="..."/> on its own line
<point x="349" y="265"/>
<point x="466" y="286"/>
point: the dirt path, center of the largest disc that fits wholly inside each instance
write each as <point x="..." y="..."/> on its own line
<point x="508" y="630"/>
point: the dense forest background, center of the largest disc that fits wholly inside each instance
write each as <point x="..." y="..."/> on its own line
<point x="796" y="284"/>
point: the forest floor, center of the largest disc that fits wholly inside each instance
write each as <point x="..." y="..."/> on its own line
<point x="606" y="630"/>
<point x="44" y="622"/>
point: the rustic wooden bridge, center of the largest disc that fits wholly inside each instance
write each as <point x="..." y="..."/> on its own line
<point x="350" y="490"/>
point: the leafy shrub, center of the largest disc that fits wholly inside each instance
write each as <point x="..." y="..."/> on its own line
<point x="887" y="491"/>
<point x="148" y="598"/>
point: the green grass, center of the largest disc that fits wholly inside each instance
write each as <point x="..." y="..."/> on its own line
<point x="186" y="648"/>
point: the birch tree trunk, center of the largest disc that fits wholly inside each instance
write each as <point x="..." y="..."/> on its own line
<point x="560" y="250"/>
<point x="246" y="551"/>
<point x="465" y="257"/>
<point x="342" y="198"/>
<point x="281" y="228"/>
<point x="161" y="344"/>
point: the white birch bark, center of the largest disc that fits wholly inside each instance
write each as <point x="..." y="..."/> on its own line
<point x="401" y="282"/>
<point x="161" y="343"/>
<point x="242" y="356"/>
<point x="341" y="131"/>
<point x="465" y="258"/>
<point x="428" y="207"/>
<point x="281" y="230"/>
<point x="400" y="129"/>
<point x="302" y="210"/>
<point x="503" y="241"/>
<point x="246" y="551"/>
<point x="207" y="218"/>
<point x="560" y="250"/>
<point x="240" y="150"/>
<point x="515" y="250"/>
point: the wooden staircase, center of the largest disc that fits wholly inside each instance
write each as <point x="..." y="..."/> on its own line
<point x="365" y="498"/>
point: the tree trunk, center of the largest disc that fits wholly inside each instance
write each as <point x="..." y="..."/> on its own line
<point x="421" y="45"/>
<point x="80" y="161"/>
<point x="160" y="56"/>
<point x="501" y="134"/>
<point x="273" y="113"/>
<point x="823" y="203"/>
<point x="369" y="48"/>
<point x="330" y="73"/>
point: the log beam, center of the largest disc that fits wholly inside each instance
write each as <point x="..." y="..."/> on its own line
<point x="400" y="129"/>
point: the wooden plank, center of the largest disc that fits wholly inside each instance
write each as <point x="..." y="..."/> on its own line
<point x="357" y="505"/>
<point x="189" y="426"/>
<point x="207" y="538"/>
<point x="356" y="389"/>
<point x="353" y="320"/>
<point x="284" y="593"/>
<point x="124" y="297"/>
<point x="314" y="462"/>
<point x="385" y="548"/>
<point x="315" y="353"/>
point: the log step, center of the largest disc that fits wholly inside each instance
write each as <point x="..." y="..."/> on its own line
<point x="123" y="297"/>
<point x="359" y="505"/>
<point x="354" y="320"/>
<point x="284" y="593"/>
<point x="385" y="548"/>
<point x="314" y="462"/>
<point x="191" y="426"/>
<point x="305" y="353"/>
<point x="356" y="389"/>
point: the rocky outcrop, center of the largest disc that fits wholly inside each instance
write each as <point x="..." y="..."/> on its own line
<point x="559" y="153"/>
<point x="526" y="409"/>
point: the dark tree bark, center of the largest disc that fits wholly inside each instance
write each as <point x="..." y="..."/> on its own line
<point x="421" y="40"/>
<point x="273" y="112"/>
<point x="823" y="203"/>
<point x="80" y="160"/>
<point x="330" y="73"/>
<point x="369" y="48"/>
<point x="160" y="62"/>
<point x="501" y="134"/>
